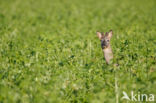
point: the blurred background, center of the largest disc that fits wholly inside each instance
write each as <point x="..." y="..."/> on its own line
<point x="49" y="51"/>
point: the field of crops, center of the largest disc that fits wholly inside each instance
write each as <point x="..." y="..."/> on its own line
<point x="49" y="51"/>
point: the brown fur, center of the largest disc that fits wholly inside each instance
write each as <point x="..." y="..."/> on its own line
<point x="105" y="45"/>
<point x="108" y="54"/>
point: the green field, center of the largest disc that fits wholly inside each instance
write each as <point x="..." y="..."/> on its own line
<point x="49" y="51"/>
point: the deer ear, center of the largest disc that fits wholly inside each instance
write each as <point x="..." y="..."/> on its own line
<point x="110" y="33"/>
<point x="99" y="35"/>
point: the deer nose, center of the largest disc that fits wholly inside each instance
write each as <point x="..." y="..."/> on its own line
<point x="103" y="43"/>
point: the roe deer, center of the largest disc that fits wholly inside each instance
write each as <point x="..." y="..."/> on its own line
<point x="108" y="54"/>
<point x="105" y="45"/>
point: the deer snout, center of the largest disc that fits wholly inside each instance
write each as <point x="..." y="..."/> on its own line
<point x="104" y="44"/>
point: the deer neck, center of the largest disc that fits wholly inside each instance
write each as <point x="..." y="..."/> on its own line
<point x="108" y="54"/>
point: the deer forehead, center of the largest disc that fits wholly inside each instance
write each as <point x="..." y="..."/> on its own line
<point x="105" y="40"/>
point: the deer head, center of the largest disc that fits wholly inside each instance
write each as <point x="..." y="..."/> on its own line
<point x="105" y="38"/>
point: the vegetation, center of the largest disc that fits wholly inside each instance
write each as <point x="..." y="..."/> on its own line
<point x="49" y="51"/>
